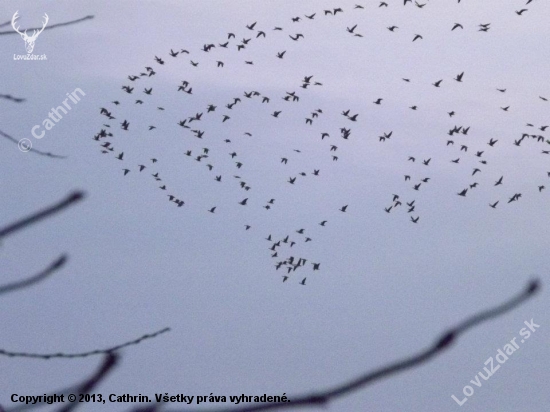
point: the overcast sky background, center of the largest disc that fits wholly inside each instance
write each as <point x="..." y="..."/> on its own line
<point x="387" y="287"/>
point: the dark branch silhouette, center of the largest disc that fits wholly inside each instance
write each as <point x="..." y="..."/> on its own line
<point x="53" y="26"/>
<point x="21" y="224"/>
<point x="87" y="386"/>
<point x="84" y="354"/>
<point x="322" y="398"/>
<point x="109" y="361"/>
<point x="56" y="265"/>
<point x="7" y="136"/>
<point x="11" y="98"/>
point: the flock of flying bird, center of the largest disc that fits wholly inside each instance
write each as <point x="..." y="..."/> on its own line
<point x="141" y="88"/>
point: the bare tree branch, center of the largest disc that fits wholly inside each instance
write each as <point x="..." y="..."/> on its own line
<point x="53" y="26"/>
<point x="109" y="361"/>
<point x="87" y="386"/>
<point x="322" y="398"/>
<point x="83" y="354"/>
<point x="56" y="265"/>
<point x="7" y="136"/>
<point x="21" y="224"/>
<point x="10" y="97"/>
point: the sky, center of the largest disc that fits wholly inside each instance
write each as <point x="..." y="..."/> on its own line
<point x="386" y="287"/>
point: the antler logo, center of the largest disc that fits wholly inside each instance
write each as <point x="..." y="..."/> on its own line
<point x="29" y="40"/>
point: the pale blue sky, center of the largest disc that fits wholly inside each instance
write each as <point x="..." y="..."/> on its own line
<point x="386" y="288"/>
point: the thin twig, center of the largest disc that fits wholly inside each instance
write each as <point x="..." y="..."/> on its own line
<point x="83" y="354"/>
<point x="53" y="26"/>
<point x="10" y="97"/>
<point x="21" y="224"/>
<point x="322" y="398"/>
<point x="7" y="136"/>
<point x="56" y="265"/>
